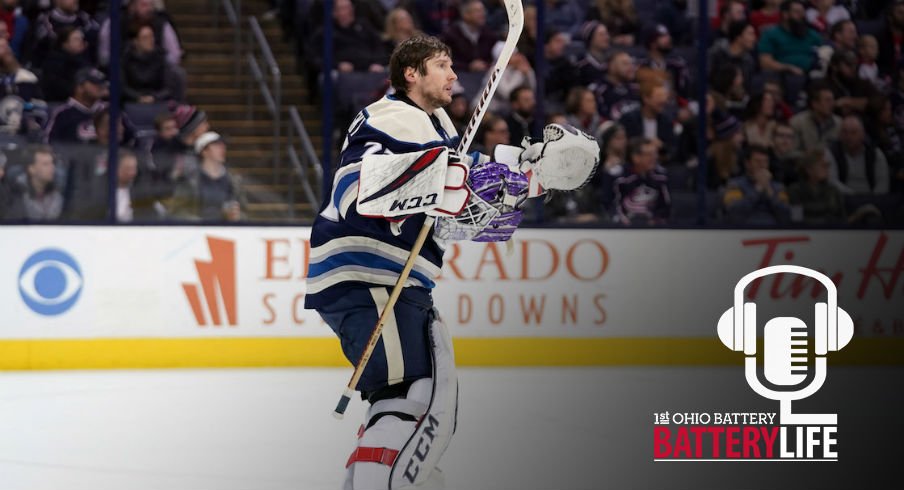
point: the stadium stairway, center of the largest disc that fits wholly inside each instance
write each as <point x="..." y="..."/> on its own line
<point x="212" y="86"/>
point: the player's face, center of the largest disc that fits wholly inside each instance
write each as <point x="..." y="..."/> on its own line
<point x="435" y="86"/>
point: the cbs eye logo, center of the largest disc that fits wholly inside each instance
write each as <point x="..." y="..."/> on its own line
<point x="50" y="282"/>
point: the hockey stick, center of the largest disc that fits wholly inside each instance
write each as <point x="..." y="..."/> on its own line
<point x="515" y="12"/>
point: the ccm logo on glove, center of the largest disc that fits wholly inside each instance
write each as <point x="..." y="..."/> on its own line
<point x="413" y="202"/>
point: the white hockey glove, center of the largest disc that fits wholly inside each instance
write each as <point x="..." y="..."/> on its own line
<point x="565" y="159"/>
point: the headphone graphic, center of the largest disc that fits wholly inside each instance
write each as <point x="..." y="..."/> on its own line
<point x="834" y="328"/>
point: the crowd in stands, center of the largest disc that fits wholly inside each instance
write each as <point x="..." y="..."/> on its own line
<point x="804" y="109"/>
<point x="55" y="59"/>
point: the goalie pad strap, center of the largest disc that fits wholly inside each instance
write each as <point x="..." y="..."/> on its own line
<point x="381" y="455"/>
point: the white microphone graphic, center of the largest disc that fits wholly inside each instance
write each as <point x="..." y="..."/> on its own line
<point x="785" y="344"/>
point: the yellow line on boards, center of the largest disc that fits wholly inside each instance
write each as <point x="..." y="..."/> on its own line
<point x="470" y="351"/>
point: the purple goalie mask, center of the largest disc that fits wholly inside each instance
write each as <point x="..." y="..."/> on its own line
<point x="505" y="190"/>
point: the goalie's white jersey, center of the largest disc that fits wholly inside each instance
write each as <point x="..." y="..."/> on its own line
<point x="352" y="250"/>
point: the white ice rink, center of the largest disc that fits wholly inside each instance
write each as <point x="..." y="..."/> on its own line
<point x="271" y="429"/>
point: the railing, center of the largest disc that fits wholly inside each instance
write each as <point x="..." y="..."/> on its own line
<point x="302" y="163"/>
<point x="233" y="15"/>
<point x="269" y="84"/>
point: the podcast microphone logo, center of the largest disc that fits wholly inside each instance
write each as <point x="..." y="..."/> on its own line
<point x="785" y="344"/>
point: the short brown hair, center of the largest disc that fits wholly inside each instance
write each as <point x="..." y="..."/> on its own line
<point x="414" y="53"/>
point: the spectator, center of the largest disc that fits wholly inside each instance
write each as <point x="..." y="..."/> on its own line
<point x="817" y="126"/>
<point x="435" y="17"/>
<point x="592" y="67"/>
<point x="659" y="47"/>
<point x="86" y="193"/>
<point x="889" y="138"/>
<point x="212" y="194"/>
<point x="650" y="120"/>
<point x="399" y="27"/>
<point x="855" y="164"/>
<point x="175" y="158"/>
<point x="788" y="47"/>
<point x="562" y="73"/>
<point x="581" y="110"/>
<point x="891" y="38"/>
<point x="843" y="35"/>
<point x="614" y="144"/>
<point x="68" y="57"/>
<point x="724" y="152"/>
<point x="527" y="43"/>
<point x="20" y="109"/>
<point x="563" y="15"/>
<point x="356" y="45"/>
<point x="36" y="197"/>
<point x="756" y="198"/>
<point x="642" y="194"/>
<point x="142" y="13"/>
<point x="759" y="120"/>
<point x="731" y="11"/>
<point x="851" y="93"/>
<point x="519" y="74"/>
<point x="620" y="17"/>
<point x="868" y="69"/>
<point x="48" y="26"/>
<point x="166" y="129"/>
<point x="459" y="112"/>
<point x="521" y="120"/>
<point x="784" y="157"/>
<point x="147" y="76"/>
<point x="493" y="131"/>
<point x="617" y="94"/>
<point x="469" y="39"/>
<point x="73" y="121"/>
<point x="17" y="24"/>
<point x="738" y="51"/>
<point x="674" y="16"/>
<point x="819" y="201"/>
<point x="824" y="14"/>
<point x="783" y="110"/>
<point x="767" y="16"/>
<point x="727" y="84"/>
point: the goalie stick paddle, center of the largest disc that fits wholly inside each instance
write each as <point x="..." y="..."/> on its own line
<point x="515" y="12"/>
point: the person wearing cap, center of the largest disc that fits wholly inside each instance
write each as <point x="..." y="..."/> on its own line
<point x="73" y="121"/>
<point x="755" y="198"/>
<point x="658" y="42"/>
<point x="592" y="67"/>
<point x="212" y="193"/>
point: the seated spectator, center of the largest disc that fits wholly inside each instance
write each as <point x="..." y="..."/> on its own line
<point x="737" y="51"/>
<point x="435" y="17"/>
<point x="469" y="39"/>
<point x="673" y="14"/>
<point x="855" y="164"/>
<point x="21" y="111"/>
<point x="824" y="14"/>
<point x="146" y="75"/>
<point x="35" y="197"/>
<point x="642" y="194"/>
<point x="142" y="13"/>
<point x="817" y="126"/>
<point x="166" y="129"/>
<point x="68" y="56"/>
<point x="766" y="16"/>
<point x="592" y="67"/>
<point x="613" y="160"/>
<point x="888" y="136"/>
<point x="175" y="157"/>
<point x="17" y="24"/>
<point x="731" y="11"/>
<point x="756" y="198"/>
<point x="518" y="74"/>
<point x="659" y="47"/>
<point x="843" y="35"/>
<point x="493" y="131"/>
<point x="459" y="111"/>
<point x="891" y="38"/>
<point x="563" y="15"/>
<point x="783" y="110"/>
<point x="356" y="45"/>
<point x="580" y="107"/>
<point x="521" y="120"/>
<point x="85" y="192"/>
<point x="73" y="121"/>
<point x="785" y="158"/>
<point x="618" y="94"/>
<point x="868" y="69"/>
<point x="851" y="93"/>
<point x="724" y="153"/>
<point x="788" y="47"/>
<point x="727" y="86"/>
<point x="651" y="122"/>
<point x="49" y="25"/>
<point x="212" y="194"/>
<point x="527" y="43"/>
<point x="759" y="120"/>
<point x="399" y="27"/>
<point x="820" y="202"/>
<point x="561" y="73"/>
<point x="620" y="17"/>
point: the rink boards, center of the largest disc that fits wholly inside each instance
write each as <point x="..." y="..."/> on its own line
<point x="123" y="297"/>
